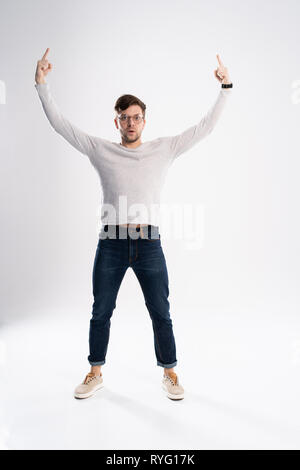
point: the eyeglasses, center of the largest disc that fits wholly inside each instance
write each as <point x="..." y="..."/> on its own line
<point x="136" y="118"/>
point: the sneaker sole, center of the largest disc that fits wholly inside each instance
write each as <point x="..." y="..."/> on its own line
<point x="171" y="395"/>
<point x="89" y="394"/>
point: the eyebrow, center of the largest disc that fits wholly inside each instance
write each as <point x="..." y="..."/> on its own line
<point x="124" y="114"/>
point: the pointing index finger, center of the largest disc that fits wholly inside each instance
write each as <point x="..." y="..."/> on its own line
<point x="219" y="60"/>
<point x="46" y="53"/>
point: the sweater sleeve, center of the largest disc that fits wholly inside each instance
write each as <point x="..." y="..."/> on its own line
<point x="180" y="143"/>
<point x="83" y="142"/>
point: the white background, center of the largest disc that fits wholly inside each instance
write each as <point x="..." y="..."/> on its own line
<point x="234" y="302"/>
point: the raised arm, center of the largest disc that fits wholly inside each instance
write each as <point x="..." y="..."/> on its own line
<point x="83" y="142"/>
<point x="182" y="142"/>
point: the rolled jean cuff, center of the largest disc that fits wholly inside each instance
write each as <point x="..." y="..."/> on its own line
<point x="100" y="363"/>
<point x="167" y="366"/>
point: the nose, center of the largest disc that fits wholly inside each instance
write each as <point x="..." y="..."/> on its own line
<point x="129" y="120"/>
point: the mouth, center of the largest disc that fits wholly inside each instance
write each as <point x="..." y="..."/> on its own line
<point x="131" y="132"/>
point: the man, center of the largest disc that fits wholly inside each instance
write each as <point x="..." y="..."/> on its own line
<point x="131" y="172"/>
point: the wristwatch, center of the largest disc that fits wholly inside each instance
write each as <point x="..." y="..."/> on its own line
<point x="226" y="85"/>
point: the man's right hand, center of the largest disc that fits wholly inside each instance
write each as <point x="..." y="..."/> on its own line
<point x="43" y="68"/>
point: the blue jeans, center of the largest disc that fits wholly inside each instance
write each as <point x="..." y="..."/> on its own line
<point x="145" y="256"/>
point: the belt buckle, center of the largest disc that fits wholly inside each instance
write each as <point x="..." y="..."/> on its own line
<point x="144" y="231"/>
<point x="133" y="230"/>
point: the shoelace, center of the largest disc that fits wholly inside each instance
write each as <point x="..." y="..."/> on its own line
<point x="172" y="381"/>
<point x="88" y="380"/>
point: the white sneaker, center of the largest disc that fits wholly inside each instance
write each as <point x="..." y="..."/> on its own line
<point x="171" y="385"/>
<point x="89" y="386"/>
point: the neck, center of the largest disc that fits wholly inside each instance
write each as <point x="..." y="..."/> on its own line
<point x="131" y="145"/>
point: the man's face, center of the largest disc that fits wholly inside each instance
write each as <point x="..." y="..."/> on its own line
<point x="131" y="129"/>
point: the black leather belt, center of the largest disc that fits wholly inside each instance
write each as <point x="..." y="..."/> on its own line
<point x="123" y="232"/>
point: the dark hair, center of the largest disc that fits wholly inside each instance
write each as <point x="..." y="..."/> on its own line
<point x="125" y="101"/>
